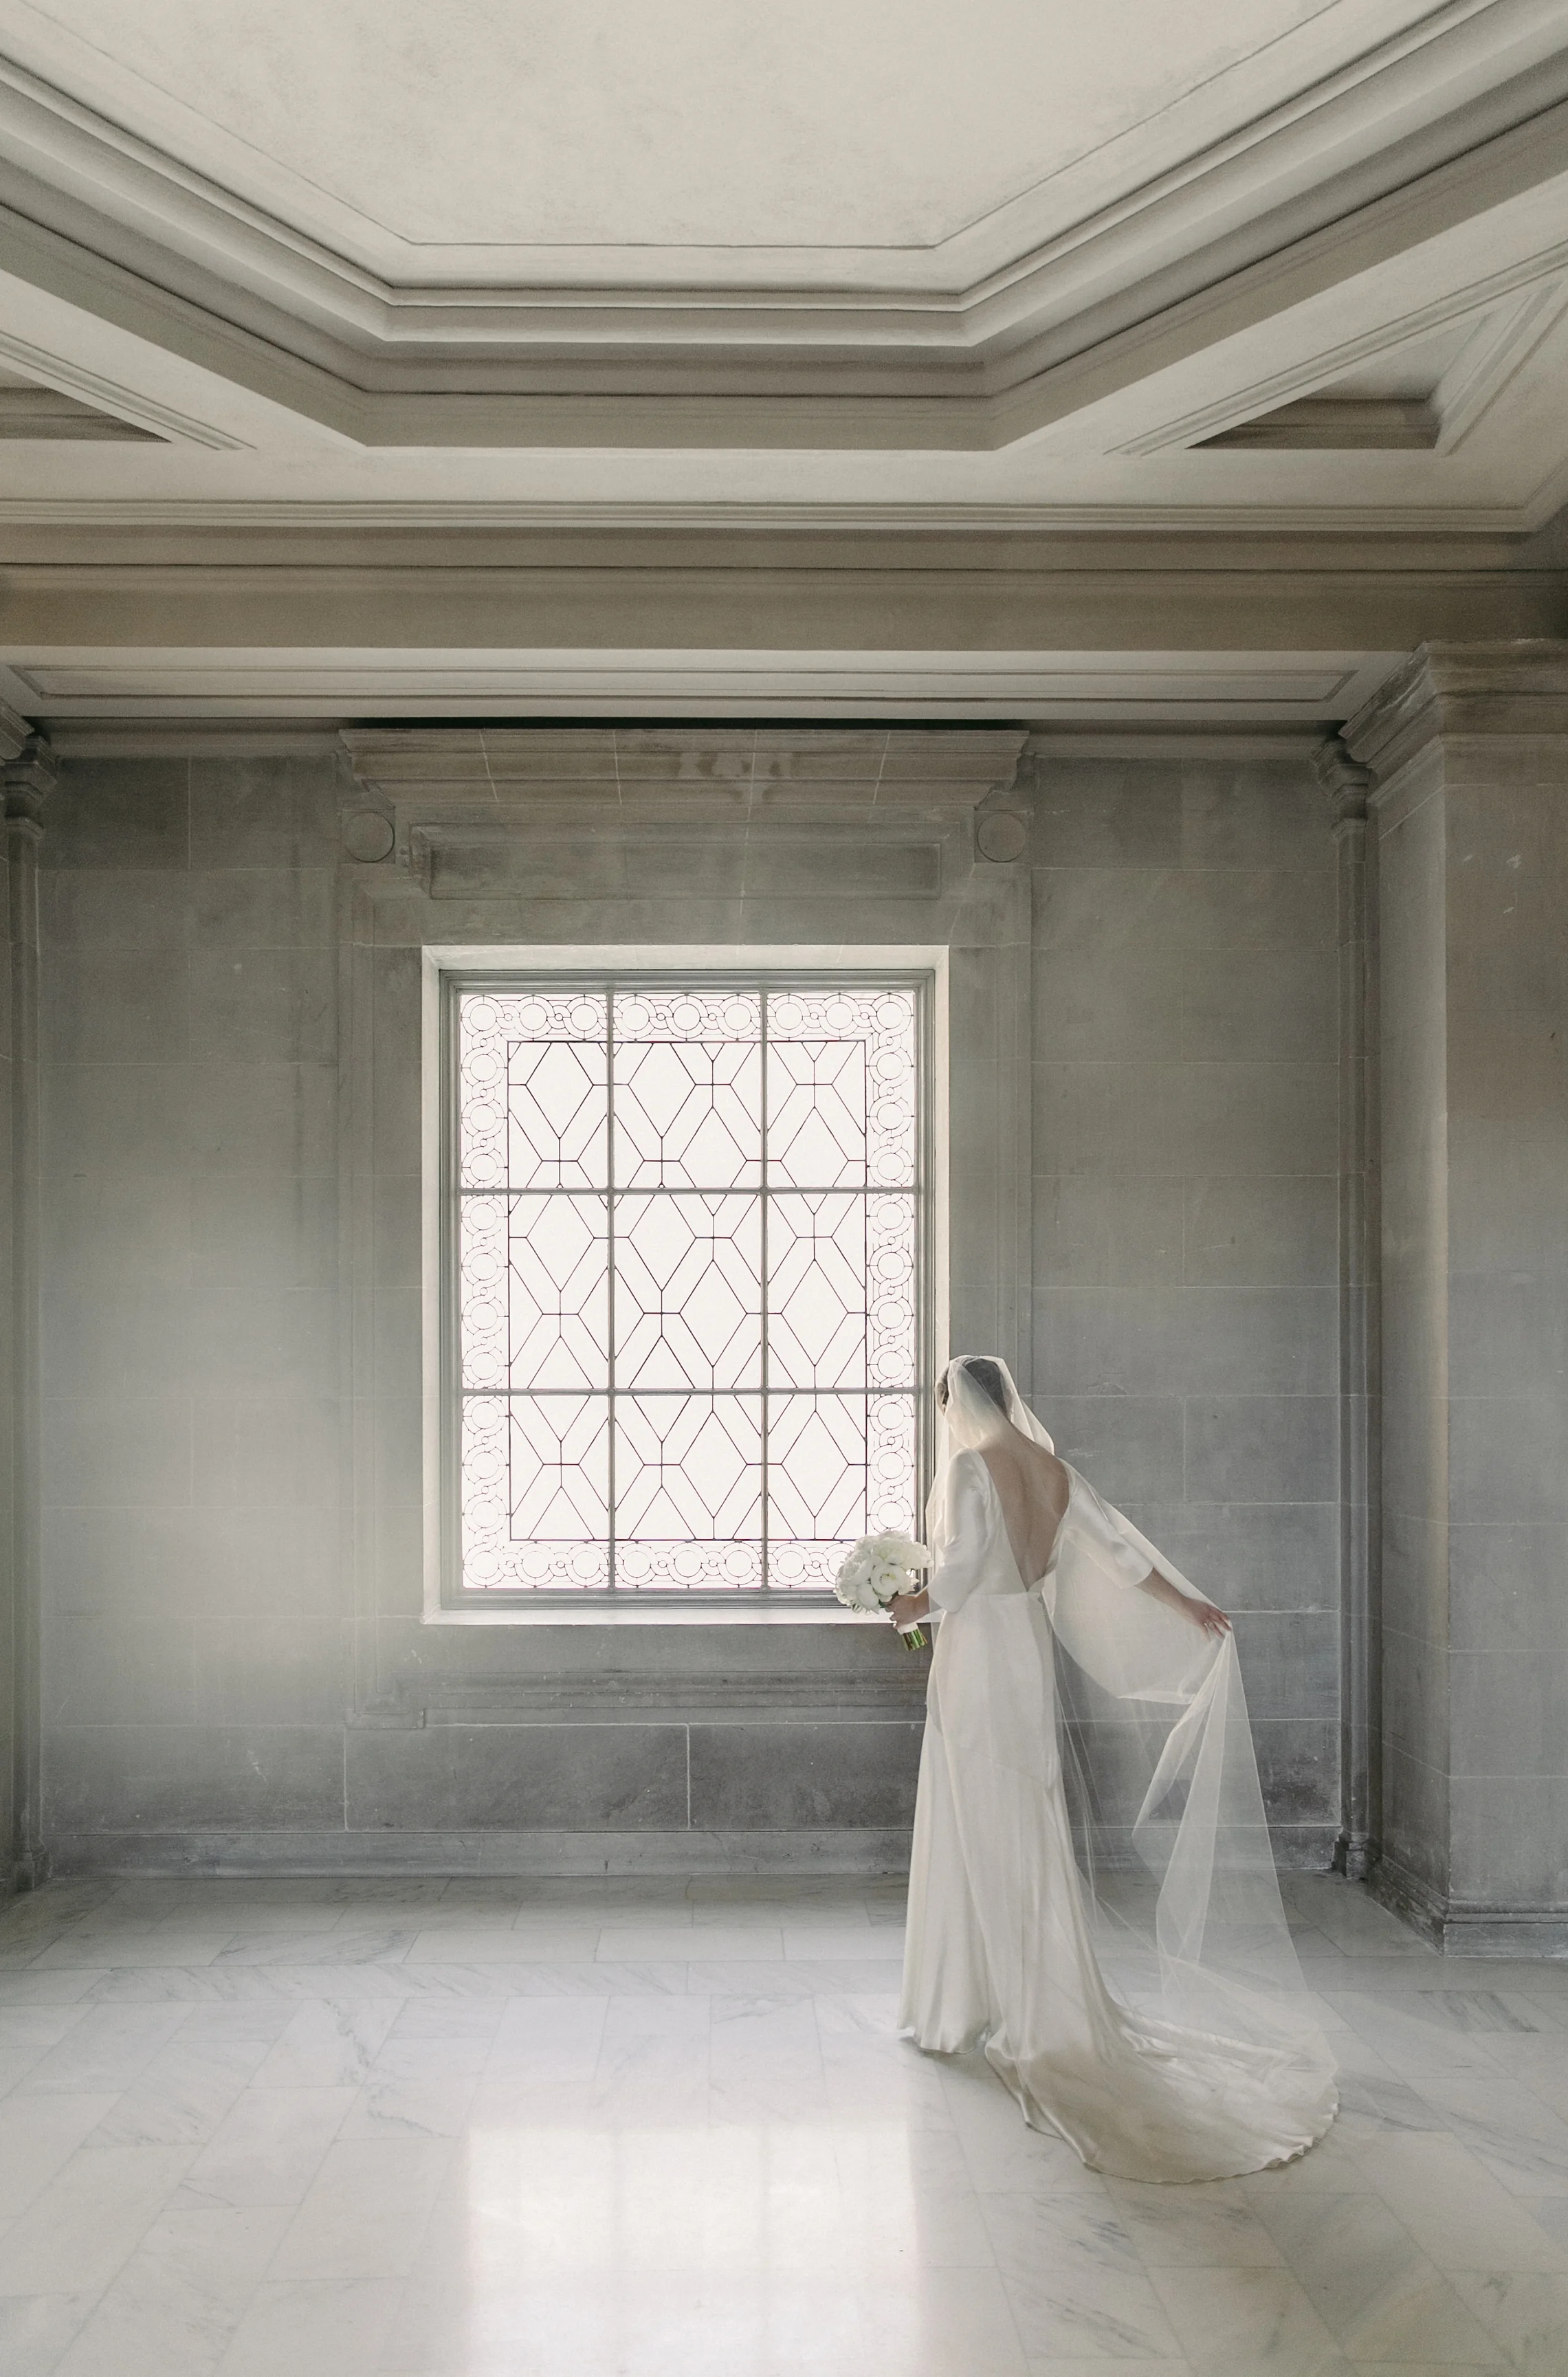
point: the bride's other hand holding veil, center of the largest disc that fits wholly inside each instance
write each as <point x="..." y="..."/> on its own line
<point x="1201" y="1614"/>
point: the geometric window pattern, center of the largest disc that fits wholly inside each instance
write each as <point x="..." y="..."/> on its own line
<point x="687" y="1270"/>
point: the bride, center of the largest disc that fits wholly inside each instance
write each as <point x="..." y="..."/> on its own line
<point x="1149" y="2008"/>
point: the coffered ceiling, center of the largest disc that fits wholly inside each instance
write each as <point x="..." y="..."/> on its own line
<point x="1261" y="267"/>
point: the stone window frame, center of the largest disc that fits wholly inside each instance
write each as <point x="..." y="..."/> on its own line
<point x="457" y="839"/>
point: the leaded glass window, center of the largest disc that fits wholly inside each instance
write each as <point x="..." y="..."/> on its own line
<point x="686" y="1254"/>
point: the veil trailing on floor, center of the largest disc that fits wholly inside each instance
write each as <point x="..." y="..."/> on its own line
<point x="1160" y="1770"/>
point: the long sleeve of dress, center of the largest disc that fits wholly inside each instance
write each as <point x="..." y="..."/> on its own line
<point x="1095" y="1531"/>
<point x="959" y="1556"/>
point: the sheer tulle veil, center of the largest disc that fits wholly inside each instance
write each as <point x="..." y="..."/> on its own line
<point x="1158" y="1757"/>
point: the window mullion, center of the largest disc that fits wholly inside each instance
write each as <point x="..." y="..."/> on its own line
<point x="764" y="1186"/>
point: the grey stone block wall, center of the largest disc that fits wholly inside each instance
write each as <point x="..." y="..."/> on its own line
<point x="194" y="1643"/>
<point x="208" y="1634"/>
<point x="1186" y="1246"/>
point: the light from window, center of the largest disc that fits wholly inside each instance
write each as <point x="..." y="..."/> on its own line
<point x="687" y="1256"/>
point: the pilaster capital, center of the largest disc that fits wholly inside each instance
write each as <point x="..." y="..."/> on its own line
<point x="1347" y="784"/>
<point x="1450" y="692"/>
<point x="27" y="778"/>
<point x="16" y="733"/>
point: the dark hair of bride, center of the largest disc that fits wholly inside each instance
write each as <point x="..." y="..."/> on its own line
<point x="986" y="1376"/>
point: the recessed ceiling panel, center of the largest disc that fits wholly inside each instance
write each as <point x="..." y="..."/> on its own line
<point x="688" y="123"/>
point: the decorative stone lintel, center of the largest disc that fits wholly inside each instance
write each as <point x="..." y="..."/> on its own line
<point x="1465" y="690"/>
<point x="841" y="770"/>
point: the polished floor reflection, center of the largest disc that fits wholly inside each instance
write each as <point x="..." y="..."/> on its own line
<point x="632" y="2129"/>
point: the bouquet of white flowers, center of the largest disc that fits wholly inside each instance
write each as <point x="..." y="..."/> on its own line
<point x="876" y="1570"/>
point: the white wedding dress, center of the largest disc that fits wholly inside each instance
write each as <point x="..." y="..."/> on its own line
<point x="1163" y="2028"/>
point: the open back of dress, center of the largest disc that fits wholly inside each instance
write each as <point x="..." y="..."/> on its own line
<point x="1136" y="1987"/>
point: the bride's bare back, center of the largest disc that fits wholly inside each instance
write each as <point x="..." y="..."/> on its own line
<point x="1033" y="1486"/>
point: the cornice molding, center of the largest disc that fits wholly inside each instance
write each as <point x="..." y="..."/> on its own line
<point x="1214" y="739"/>
<point x="1368" y="163"/>
<point x="192" y="738"/>
<point x="62" y="678"/>
<point x="16" y="732"/>
<point x="1460" y="693"/>
<point x="126" y="738"/>
<point x="456" y="520"/>
<point x="27" y="778"/>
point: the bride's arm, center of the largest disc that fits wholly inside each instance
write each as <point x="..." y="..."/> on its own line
<point x="959" y="1554"/>
<point x="1097" y="1532"/>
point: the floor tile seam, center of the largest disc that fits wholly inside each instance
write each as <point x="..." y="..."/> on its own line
<point x="152" y="2215"/>
<point x="1457" y="2131"/>
<point x="1478" y="2269"/>
<point x="1418" y="2250"/>
<point x="94" y="2301"/>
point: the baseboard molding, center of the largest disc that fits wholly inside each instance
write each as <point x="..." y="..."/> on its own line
<point x="1457" y="1930"/>
<point x="563" y="1855"/>
<point x="558" y="1854"/>
<point x="29" y="1872"/>
<point x="1303" y="1848"/>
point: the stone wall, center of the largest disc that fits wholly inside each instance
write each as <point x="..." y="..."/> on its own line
<point x="236" y="1667"/>
<point x="193" y="1646"/>
<point x="1185" y="1228"/>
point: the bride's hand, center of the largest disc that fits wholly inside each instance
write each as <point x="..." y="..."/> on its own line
<point x="1205" y="1615"/>
<point x="908" y="1609"/>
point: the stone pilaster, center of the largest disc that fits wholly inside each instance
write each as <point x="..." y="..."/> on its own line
<point x="1468" y="748"/>
<point x="1348" y="787"/>
<point x="26" y="776"/>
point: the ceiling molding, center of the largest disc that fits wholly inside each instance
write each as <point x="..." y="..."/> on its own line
<point x="1539" y="287"/>
<point x="1450" y="82"/>
<point x="1336" y="425"/>
<point x="459" y="520"/>
<point x="1485" y="366"/>
<point x="1366" y="165"/>
<point x="45" y="416"/>
<point x="160" y="421"/>
<point x="1289" y="685"/>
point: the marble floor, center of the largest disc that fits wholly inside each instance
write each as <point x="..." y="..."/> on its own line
<point x="498" y="2129"/>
